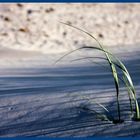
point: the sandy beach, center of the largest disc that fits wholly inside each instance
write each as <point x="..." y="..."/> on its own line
<point x="45" y="101"/>
<point x="39" y="98"/>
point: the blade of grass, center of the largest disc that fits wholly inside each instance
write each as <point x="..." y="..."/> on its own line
<point x="120" y="65"/>
<point x="112" y="66"/>
<point x="129" y="93"/>
<point x="98" y="115"/>
<point x="110" y="58"/>
<point x="84" y="58"/>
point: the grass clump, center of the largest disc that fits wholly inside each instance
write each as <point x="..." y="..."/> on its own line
<point x="115" y="64"/>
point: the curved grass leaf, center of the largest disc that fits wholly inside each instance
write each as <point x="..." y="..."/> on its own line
<point x="113" y="63"/>
<point x="100" y="116"/>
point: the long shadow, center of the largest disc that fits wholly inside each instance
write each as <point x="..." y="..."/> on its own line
<point x="67" y="122"/>
<point x="58" y="116"/>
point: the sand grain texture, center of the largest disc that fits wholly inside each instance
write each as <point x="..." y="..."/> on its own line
<point x="40" y="98"/>
<point x="45" y="101"/>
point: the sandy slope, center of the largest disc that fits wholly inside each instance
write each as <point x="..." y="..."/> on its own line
<point x="44" y="101"/>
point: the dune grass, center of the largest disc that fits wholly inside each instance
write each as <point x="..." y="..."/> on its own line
<point x="115" y="64"/>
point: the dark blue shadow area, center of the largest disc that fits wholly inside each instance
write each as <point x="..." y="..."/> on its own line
<point x="56" y="80"/>
<point x="57" y="113"/>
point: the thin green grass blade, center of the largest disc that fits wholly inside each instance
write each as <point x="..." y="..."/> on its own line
<point x="101" y="116"/>
<point x="129" y="93"/>
<point x="91" y="101"/>
<point x="112" y="66"/>
<point x="84" y="58"/>
<point x="120" y="65"/>
<point x="70" y="52"/>
<point x="89" y="58"/>
<point x="86" y="32"/>
<point x="114" y="73"/>
<point x="129" y="84"/>
<point x="131" y="87"/>
<point x="116" y="81"/>
<point x="113" y="61"/>
<point x="98" y="115"/>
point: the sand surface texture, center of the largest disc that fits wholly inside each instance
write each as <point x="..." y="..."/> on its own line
<point x="40" y="98"/>
<point x="36" y="27"/>
<point x="45" y="101"/>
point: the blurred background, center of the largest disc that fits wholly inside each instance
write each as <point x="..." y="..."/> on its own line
<point x="36" y="27"/>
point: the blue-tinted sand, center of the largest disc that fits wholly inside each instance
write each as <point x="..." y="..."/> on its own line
<point x="45" y="101"/>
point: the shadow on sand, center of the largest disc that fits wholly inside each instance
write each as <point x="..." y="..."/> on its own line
<point x="45" y="103"/>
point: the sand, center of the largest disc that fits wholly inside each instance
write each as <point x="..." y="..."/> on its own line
<point x="37" y="27"/>
<point x="40" y="98"/>
<point x="44" y="100"/>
